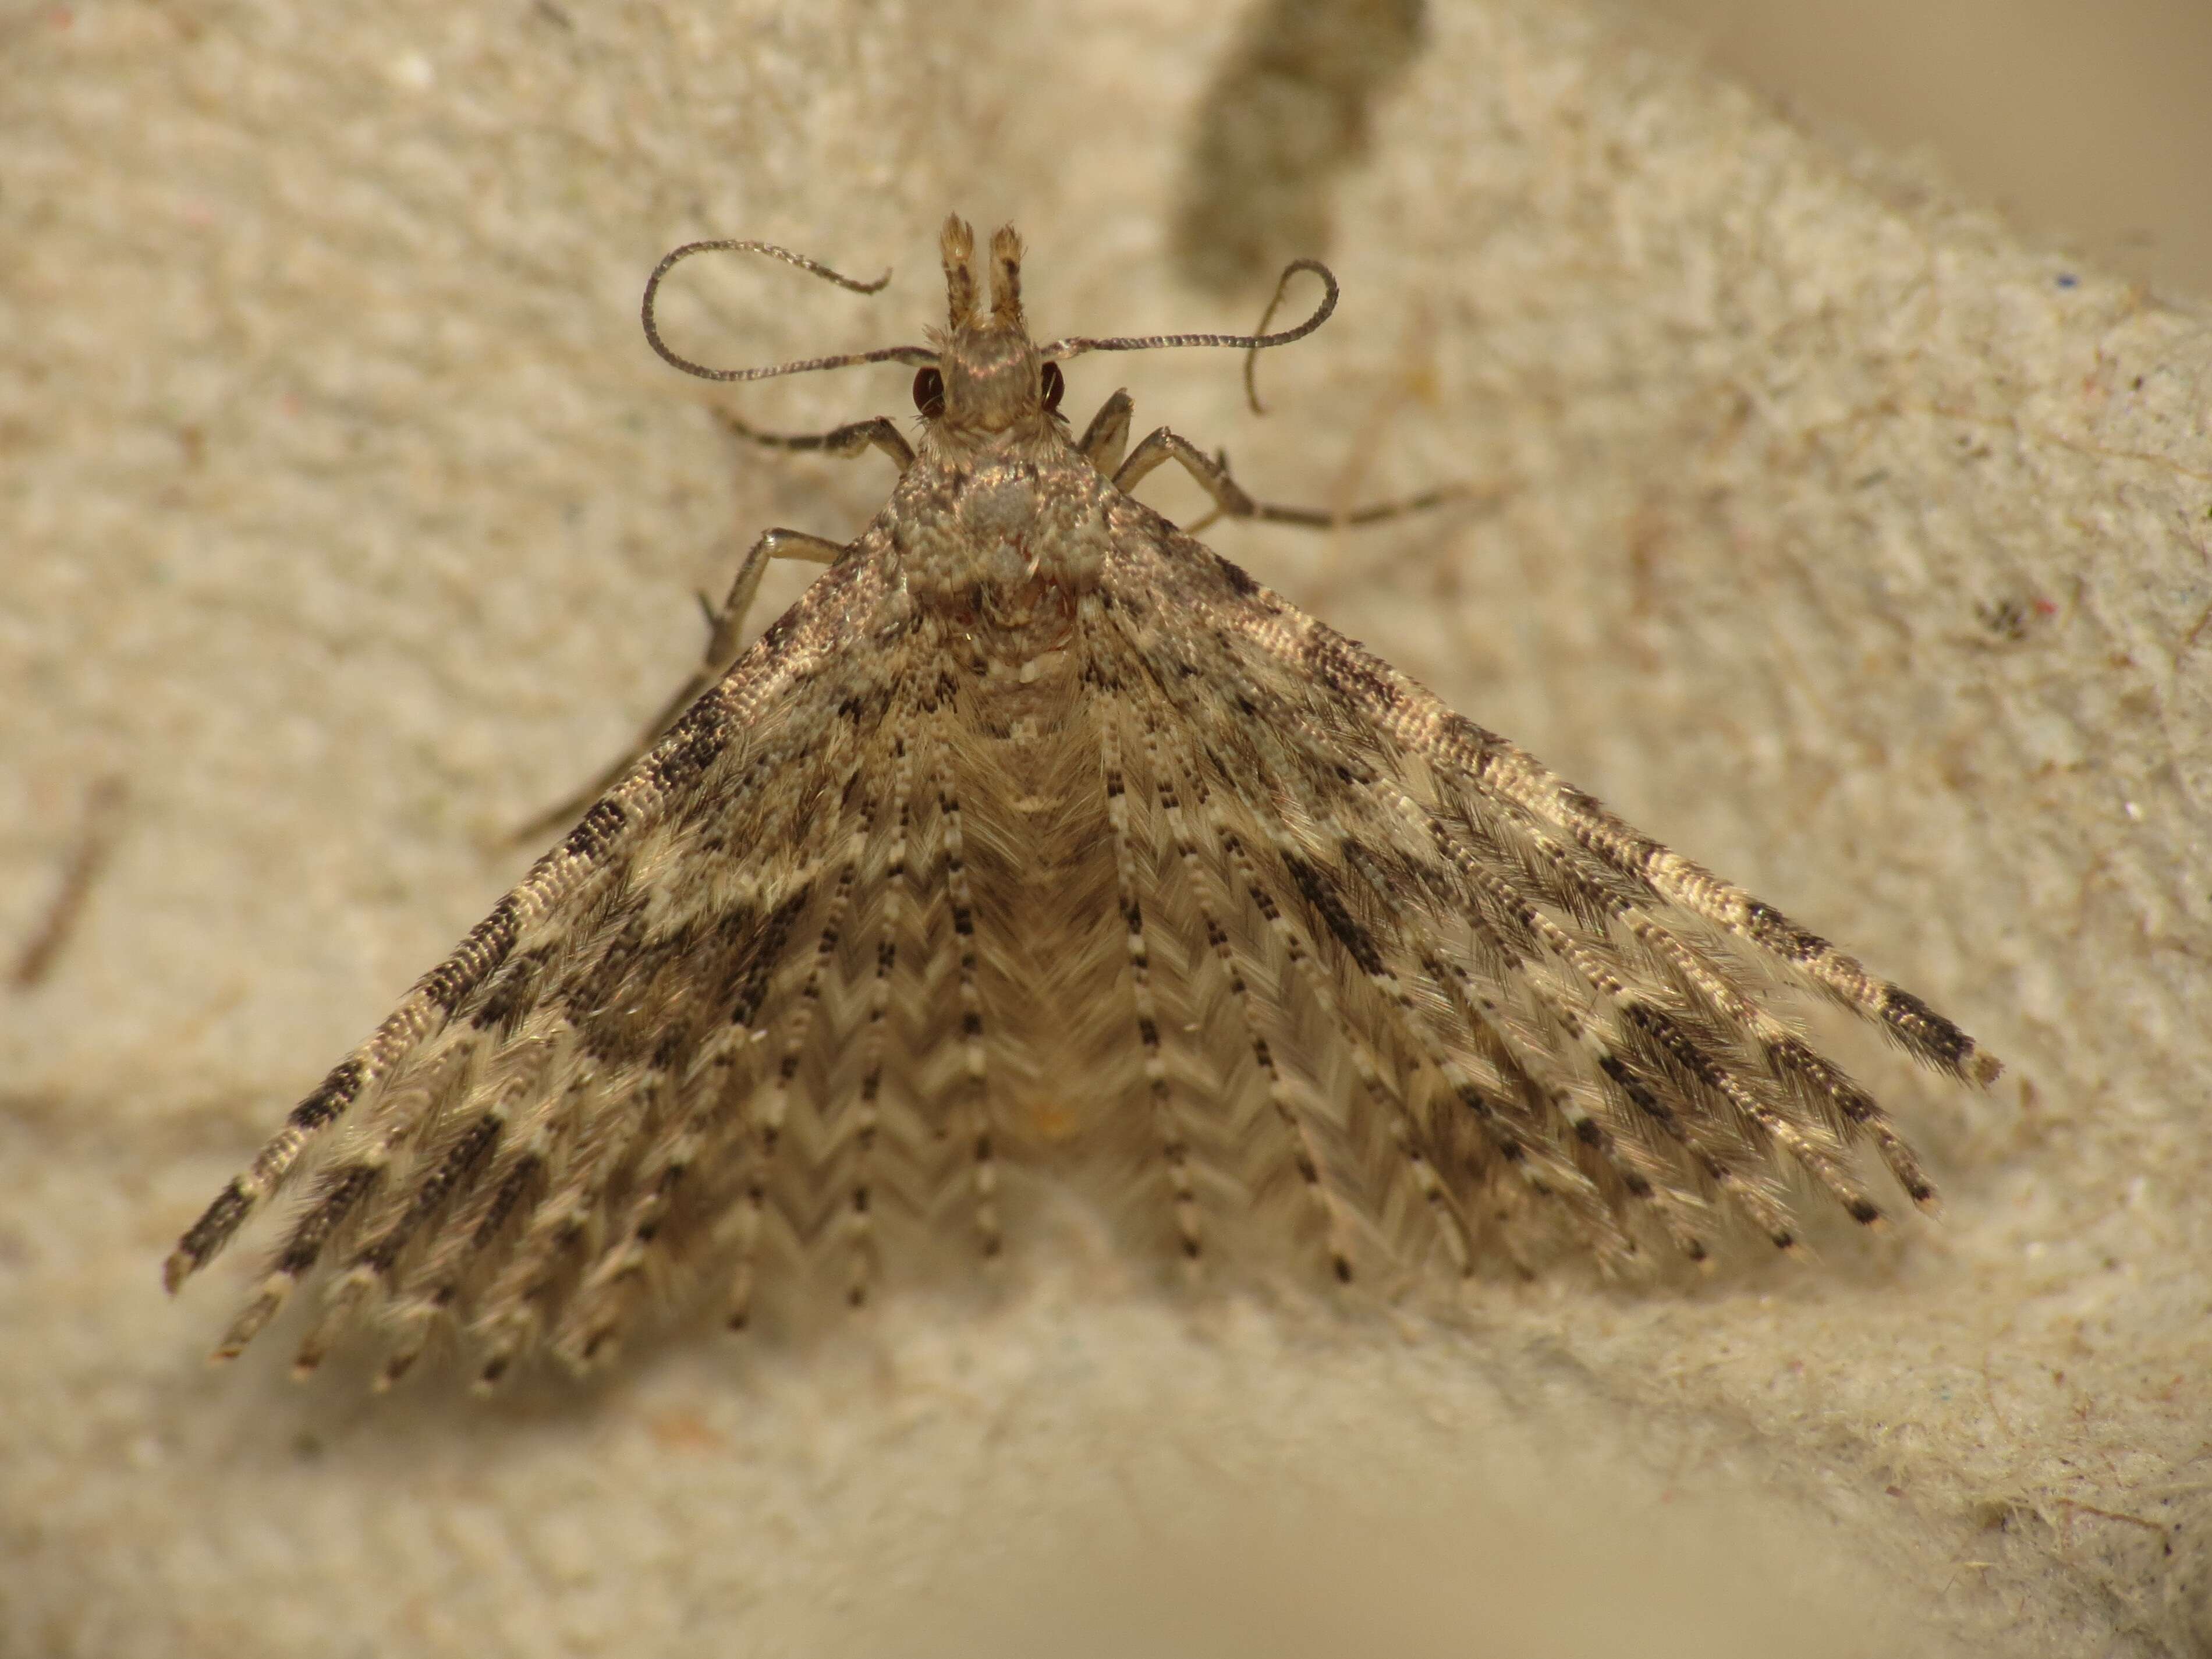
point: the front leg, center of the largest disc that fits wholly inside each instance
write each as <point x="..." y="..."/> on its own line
<point x="725" y="625"/>
<point x="724" y="628"/>
<point x="845" y="443"/>
<point x="1213" y="477"/>
<point x="1108" y="435"/>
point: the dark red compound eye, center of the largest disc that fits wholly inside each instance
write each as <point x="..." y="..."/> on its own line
<point x="1053" y="386"/>
<point x="929" y="392"/>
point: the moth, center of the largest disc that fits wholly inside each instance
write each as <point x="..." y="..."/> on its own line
<point x="1037" y="849"/>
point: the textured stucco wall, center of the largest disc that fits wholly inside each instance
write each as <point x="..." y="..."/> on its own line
<point x="1842" y="543"/>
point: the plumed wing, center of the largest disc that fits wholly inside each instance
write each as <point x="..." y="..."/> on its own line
<point x="1541" y="1006"/>
<point x="1201" y="913"/>
<point x="580" y="1099"/>
<point x="798" y="1008"/>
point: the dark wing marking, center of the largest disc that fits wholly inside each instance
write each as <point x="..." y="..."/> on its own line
<point x="1593" y="1000"/>
<point x="1206" y="913"/>
<point x="566" y="1036"/>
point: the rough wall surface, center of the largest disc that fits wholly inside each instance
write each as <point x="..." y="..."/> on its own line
<point x="1840" y="541"/>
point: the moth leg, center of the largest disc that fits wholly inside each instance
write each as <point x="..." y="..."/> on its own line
<point x="725" y="625"/>
<point x="1106" y="439"/>
<point x="1213" y="477"/>
<point x="845" y="443"/>
<point x="724" y="628"/>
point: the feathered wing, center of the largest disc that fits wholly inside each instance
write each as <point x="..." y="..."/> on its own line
<point x="850" y="948"/>
<point x="1203" y="914"/>
<point x="1501" y="997"/>
<point x="599" y="1091"/>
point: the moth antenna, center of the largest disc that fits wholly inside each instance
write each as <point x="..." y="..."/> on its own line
<point x="1076" y="344"/>
<point x="1252" y="351"/>
<point x="905" y="354"/>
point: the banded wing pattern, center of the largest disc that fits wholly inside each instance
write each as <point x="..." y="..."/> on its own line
<point x="852" y="960"/>
<point x="1547" y="1002"/>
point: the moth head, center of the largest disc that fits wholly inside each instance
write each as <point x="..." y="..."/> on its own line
<point x="988" y="377"/>
<point x="981" y="376"/>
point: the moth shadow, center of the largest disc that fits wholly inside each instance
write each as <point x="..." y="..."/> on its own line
<point x="1289" y="109"/>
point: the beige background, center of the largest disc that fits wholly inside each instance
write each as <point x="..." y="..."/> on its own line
<point x="2088" y="125"/>
<point x="1845" y="542"/>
